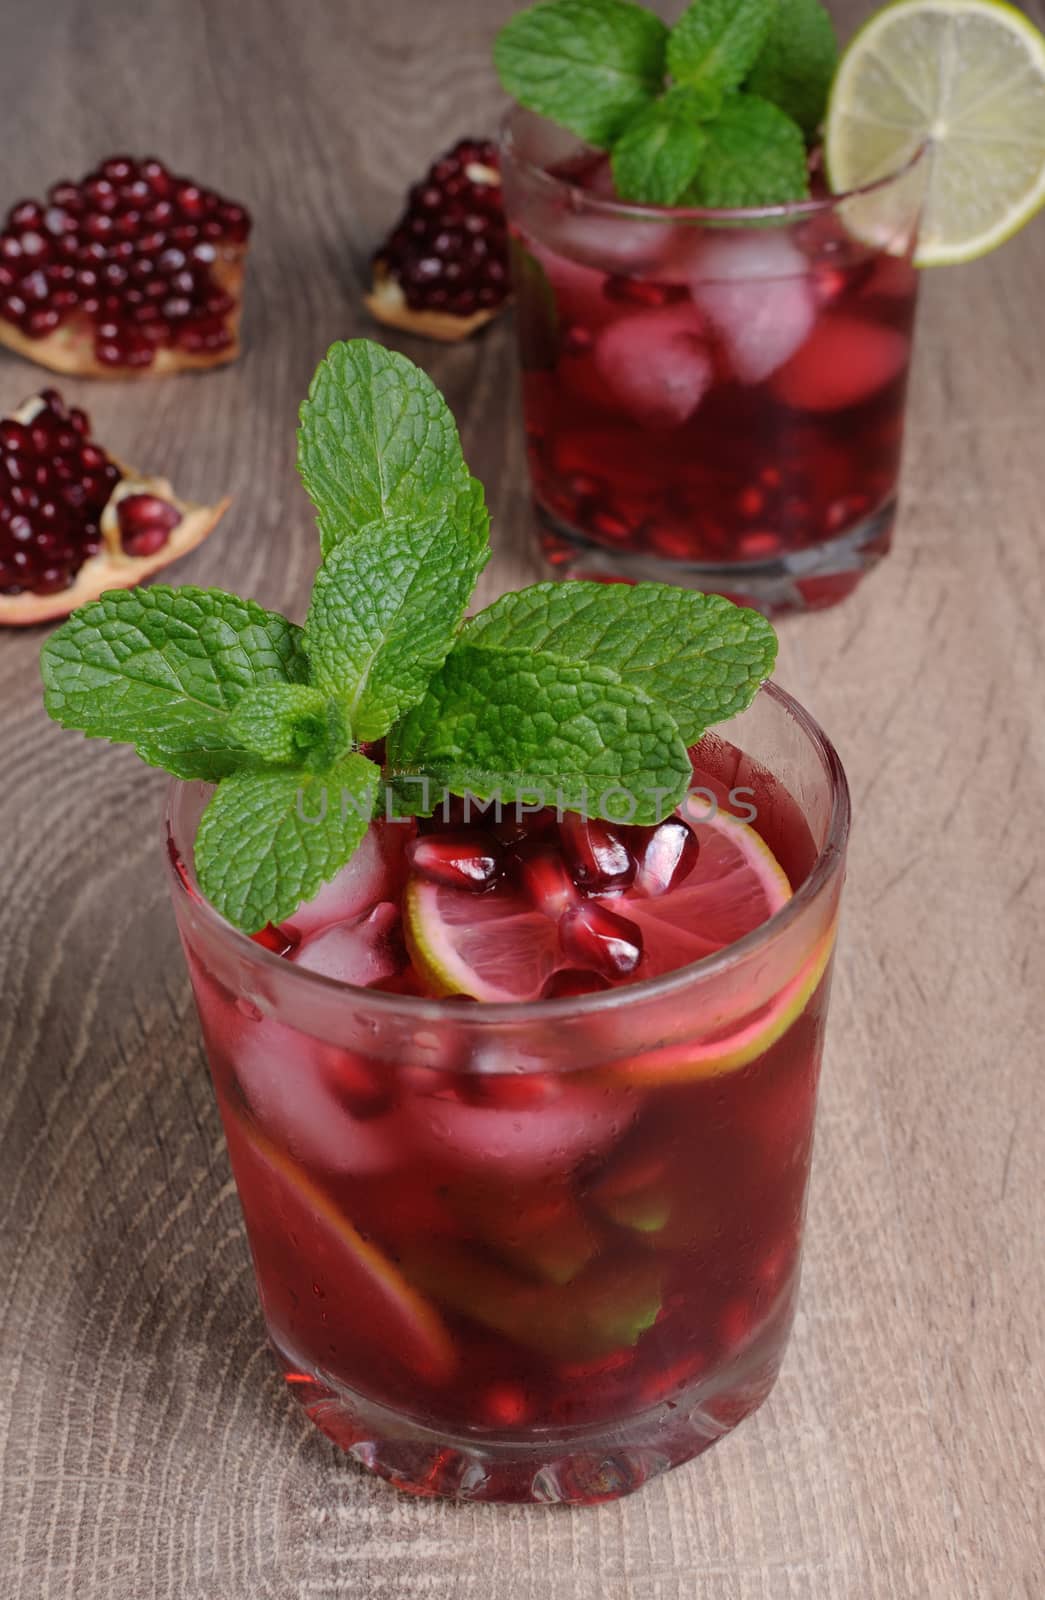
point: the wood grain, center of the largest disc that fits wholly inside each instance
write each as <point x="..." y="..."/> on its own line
<point x="147" y="1450"/>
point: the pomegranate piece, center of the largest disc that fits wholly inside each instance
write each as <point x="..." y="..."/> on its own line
<point x="74" y="521"/>
<point x="593" y="936"/>
<point x="596" y="854"/>
<point x="544" y="877"/>
<point x="443" y="271"/>
<point x="464" y="860"/>
<point x="132" y="271"/>
<point x="667" y="855"/>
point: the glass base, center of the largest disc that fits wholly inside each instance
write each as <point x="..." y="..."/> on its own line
<point x="544" y="1466"/>
<point x="808" y="579"/>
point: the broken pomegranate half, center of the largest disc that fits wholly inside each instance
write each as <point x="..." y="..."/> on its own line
<point x="130" y="272"/>
<point x="74" y="521"/>
<point x="443" y="272"/>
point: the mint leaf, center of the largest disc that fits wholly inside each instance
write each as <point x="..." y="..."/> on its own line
<point x="291" y="724"/>
<point x="385" y="610"/>
<point x="697" y="654"/>
<point x="378" y="440"/>
<point x="523" y="724"/>
<point x="268" y="840"/>
<point x="657" y="156"/>
<point x="797" y="62"/>
<point x="716" y="42"/>
<point x="162" y="669"/>
<point x="755" y="156"/>
<point x="589" y="65"/>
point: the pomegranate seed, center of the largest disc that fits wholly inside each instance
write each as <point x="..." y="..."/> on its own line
<point x="597" y="856"/>
<point x="543" y="875"/>
<point x="466" y="860"/>
<point x="146" y="523"/>
<point x="593" y="936"/>
<point x="666" y="857"/>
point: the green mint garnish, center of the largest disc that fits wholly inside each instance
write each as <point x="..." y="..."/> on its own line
<point x="715" y="43"/>
<point x="521" y="723"/>
<point x="601" y="68"/>
<point x="376" y="440"/>
<point x="754" y="156"/>
<point x="697" y="653"/>
<point x="164" y="669"/>
<point x="797" y="62"/>
<point x="292" y="724"/>
<point x="658" y="155"/>
<point x="269" y="840"/>
<point x="586" y="694"/>
<point x="385" y="611"/>
<point x="589" y="65"/>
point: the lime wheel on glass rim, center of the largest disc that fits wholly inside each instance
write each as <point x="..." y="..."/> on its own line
<point x="966" y="78"/>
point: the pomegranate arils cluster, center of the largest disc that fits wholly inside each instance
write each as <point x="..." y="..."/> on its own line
<point x="74" y="521"/>
<point x="54" y="486"/>
<point x="567" y="868"/>
<point x="444" y="269"/>
<point x="133" y="269"/>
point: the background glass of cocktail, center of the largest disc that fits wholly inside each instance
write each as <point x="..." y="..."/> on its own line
<point x="536" y="1252"/>
<point x="712" y="398"/>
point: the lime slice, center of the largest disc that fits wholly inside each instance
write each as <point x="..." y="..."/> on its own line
<point x="682" y="1063"/>
<point x="966" y="75"/>
<point x="362" y="1284"/>
<point x="500" y="947"/>
<point x="494" y="947"/>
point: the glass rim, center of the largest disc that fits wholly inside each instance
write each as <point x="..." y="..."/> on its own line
<point x="431" y="1009"/>
<point x="789" y="210"/>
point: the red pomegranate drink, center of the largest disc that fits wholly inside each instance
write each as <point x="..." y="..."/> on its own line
<point x="710" y="398"/>
<point x="510" y="937"/>
<point x="538" y="1250"/>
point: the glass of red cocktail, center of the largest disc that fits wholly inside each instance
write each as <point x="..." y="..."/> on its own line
<point x="711" y="398"/>
<point x="541" y="1249"/>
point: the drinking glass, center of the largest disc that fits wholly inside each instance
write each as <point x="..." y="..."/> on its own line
<point x="536" y="1252"/>
<point x="711" y="398"/>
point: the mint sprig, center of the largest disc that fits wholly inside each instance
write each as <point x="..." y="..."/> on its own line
<point x="386" y="607"/>
<point x="754" y="156"/>
<point x="164" y="670"/>
<point x="584" y="693"/>
<point x="589" y="65"/>
<point x="659" y="153"/>
<point x="715" y="43"/>
<point x="516" y="724"/>
<point x="797" y="62"/>
<point x="698" y="653"/>
<point x="269" y="840"/>
<point x="680" y="111"/>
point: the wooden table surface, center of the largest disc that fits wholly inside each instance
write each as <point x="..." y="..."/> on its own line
<point x="147" y="1448"/>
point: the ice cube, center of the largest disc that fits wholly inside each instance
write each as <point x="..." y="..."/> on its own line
<point x="655" y="365"/>
<point x="362" y="882"/>
<point x="846" y="362"/>
<point x="754" y="288"/>
<point x="570" y="1123"/>
<point x="606" y="241"/>
<point x="362" y="951"/>
<point x="290" y="1082"/>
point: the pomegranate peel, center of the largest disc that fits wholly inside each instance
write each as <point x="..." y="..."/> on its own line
<point x="154" y="528"/>
<point x="387" y="303"/>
